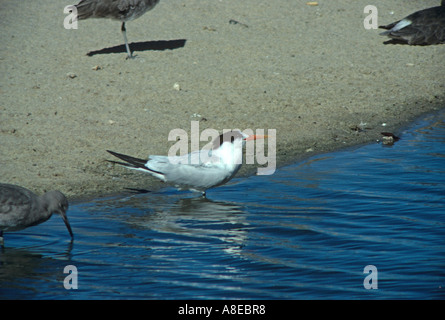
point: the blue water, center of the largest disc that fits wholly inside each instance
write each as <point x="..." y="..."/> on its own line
<point x="306" y="232"/>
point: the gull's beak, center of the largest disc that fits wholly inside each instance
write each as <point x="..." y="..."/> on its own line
<point x="65" y="219"/>
<point x="256" y="137"/>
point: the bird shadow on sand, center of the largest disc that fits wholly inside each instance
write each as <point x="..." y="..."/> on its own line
<point x="404" y="43"/>
<point x="394" y="42"/>
<point x="160" y="45"/>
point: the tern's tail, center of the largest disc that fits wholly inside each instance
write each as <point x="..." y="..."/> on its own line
<point x="131" y="162"/>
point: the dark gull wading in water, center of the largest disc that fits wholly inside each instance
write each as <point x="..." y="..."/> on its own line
<point x="21" y="208"/>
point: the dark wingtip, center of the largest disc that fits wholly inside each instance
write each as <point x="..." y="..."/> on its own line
<point x="130" y="161"/>
<point x="112" y="152"/>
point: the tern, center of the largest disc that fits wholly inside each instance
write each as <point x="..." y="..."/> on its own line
<point x="121" y="10"/>
<point x="199" y="170"/>
<point x="424" y="27"/>
<point x="20" y="208"/>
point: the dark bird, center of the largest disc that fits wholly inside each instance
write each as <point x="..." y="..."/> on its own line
<point x="389" y="138"/>
<point x="424" y="27"/>
<point x="21" y="208"/>
<point x="122" y="10"/>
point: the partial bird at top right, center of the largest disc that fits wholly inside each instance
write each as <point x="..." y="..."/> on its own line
<point x="424" y="27"/>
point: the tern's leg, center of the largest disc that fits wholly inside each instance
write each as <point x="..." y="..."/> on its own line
<point x="124" y="33"/>
<point x="1" y="238"/>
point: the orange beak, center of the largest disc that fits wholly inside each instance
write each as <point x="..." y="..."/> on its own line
<point x="256" y="137"/>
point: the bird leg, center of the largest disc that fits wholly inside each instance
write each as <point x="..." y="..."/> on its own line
<point x="124" y="33"/>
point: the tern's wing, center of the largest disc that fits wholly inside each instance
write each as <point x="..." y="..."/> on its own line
<point x="195" y="169"/>
<point x="201" y="171"/>
<point x="200" y="158"/>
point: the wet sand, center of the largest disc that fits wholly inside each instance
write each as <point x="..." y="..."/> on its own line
<point x="313" y="73"/>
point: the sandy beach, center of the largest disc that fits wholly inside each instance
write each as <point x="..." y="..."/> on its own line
<point x="313" y="73"/>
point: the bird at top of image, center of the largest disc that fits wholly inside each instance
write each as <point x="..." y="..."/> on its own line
<point x="199" y="170"/>
<point x="424" y="27"/>
<point x="20" y="208"/>
<point x="121" y="10"/>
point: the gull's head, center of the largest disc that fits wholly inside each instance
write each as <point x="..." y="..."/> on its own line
<point x="57" y="203"/>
